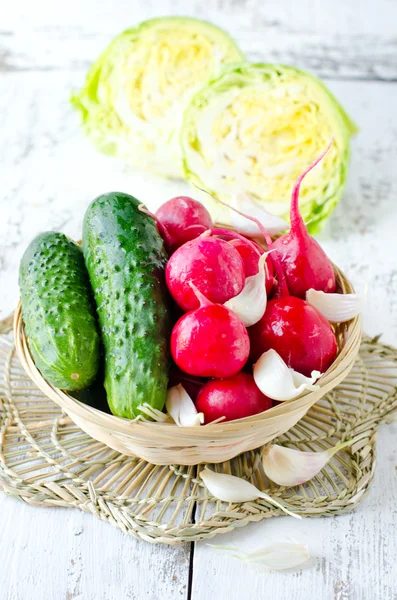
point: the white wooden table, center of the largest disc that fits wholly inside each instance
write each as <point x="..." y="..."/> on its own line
<point x="49" y="172"/>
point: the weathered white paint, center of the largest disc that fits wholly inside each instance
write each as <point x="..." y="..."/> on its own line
<point x="353" y="555"/>
<point x="340" y="39"/>
<point x="65" y="554"/>
<point x="48" y="174"/>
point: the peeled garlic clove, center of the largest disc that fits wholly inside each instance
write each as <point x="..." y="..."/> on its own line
<point x="229" y="488"/>
<point x="277" y="381"/>
<point x="289" y="467"/>
<point x="250" y="304"/>
<point x="277" y="557"/>
<point x="181" y="407"/>
<point x="337" y="308"/>
<point x="246" y="204"/>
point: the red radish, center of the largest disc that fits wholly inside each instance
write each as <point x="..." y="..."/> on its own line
<point x="298" y="332"/>
<point x="184" y="219"/>
<point x="304" y="262"/>
<point x="233" y="398"/>
<point x="161" y="229"/>
<point x="212" y="265"/>
<point x="248" y="254"/>
<point x="210" y="341"/>
<point x="191" y="383"/>
<point x="250" y="260"/>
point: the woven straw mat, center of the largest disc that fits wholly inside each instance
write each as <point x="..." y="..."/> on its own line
<point x="45" y="459"/>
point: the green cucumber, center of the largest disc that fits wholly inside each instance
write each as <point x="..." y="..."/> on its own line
<point x="58" y="311"/>
<point x="125" y="259"/>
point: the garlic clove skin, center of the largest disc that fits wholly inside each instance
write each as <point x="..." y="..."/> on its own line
<point x="246" y="204"/>
<point x="181" y="408"/>
<point x="336" y="308"/>
<point x="289" y="467"/>
<point x="277" y="557"/>
<point x="250" y="304"/>
<point x="229" y="488"/>
<point x="302" y="380"/>
<point x="279" y="382"/>
<point x="154" y="415"/>
<point x="280" y="556"/>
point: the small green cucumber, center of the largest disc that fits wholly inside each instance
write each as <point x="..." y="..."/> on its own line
<point x="58" y="311"/>
<point x="125" y="259"/>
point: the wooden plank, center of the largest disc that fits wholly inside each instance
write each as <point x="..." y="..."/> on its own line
<point x="353" y="555"/>
<point x="48" y="553"/>
<point x="361" y="235"/>
<point x="65" y="554"/>
<point x="53" y="554"/>
<point x="343" y="40"/>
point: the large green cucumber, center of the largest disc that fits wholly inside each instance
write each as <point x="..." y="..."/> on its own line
<point x="125" y="258"/>
<point x="58" y="311"/>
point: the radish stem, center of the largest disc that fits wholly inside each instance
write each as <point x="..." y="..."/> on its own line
<point x="200" y="297"/>
<point x="295" y="216"/>
<point x="282" y="287"/>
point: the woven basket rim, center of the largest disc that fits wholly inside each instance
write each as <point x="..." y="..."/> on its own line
<point x="328" y="380"/>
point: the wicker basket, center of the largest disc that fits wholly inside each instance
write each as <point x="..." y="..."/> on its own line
<point x="165" y="443"/>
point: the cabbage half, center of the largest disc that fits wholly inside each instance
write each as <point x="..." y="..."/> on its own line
<point x="135" y="93"/>
<point x="254" y="128"/>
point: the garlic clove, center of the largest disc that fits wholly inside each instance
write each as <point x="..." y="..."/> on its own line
<point x="290" y="467"/>
<point x="277" y="557"/>
<point x="181" y="408"/>
<point x="337" y="308"/>
<point x="246" y="204"/>
<point x="250" y="304"/>
<point x="229" y="488"/>
<point x="279" y="382"/>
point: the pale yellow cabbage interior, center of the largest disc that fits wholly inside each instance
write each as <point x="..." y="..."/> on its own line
<point x="155" y="74"/>
<point x="166" y="65"/>
<point x="258" y="139"/>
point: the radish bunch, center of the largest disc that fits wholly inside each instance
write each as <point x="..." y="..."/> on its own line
<point x="221" y="280"/>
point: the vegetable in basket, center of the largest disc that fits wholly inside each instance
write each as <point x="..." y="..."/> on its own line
<point x="212" y="265"/>
<point x="125" y="258"/>
<point x="58" y="311"/>
<point x="210" y="341"/>
<point x="135" y="93"/>
<point x="182" y="219"/>
<point x="233" y="398"/>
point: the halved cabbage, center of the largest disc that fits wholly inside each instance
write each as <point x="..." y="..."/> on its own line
<point x="135" y="93"/>
<point x="254" y="128"/>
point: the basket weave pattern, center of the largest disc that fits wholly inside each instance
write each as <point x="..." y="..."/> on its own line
<point x="166" y="444"/>
<point x="45" y="459"/>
